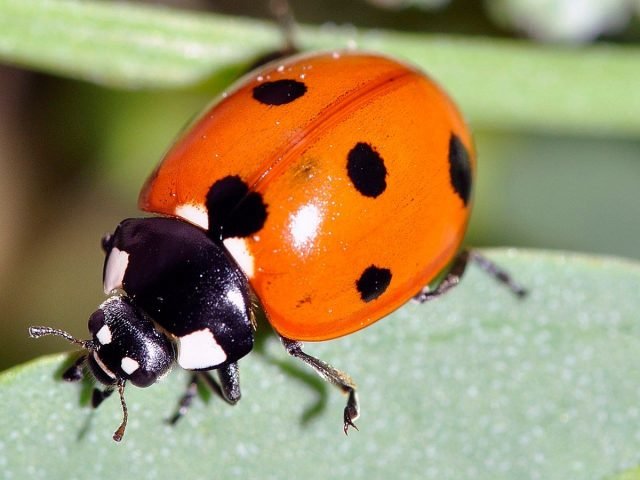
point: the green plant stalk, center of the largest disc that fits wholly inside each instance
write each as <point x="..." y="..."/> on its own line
<point x="499" y="84"/>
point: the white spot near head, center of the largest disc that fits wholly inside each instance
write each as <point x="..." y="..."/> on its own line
<point x="236" y="298"/>
<point x="196" y="214"/>
<point x="129" y="365"/>
<point x="102" y="366"/>
<point x="304" y="225"/>
<point x="104" y="335"/>
<point x="115" y="270"/>
<point x="200" y="350"/>
<point x="239" y="250"/>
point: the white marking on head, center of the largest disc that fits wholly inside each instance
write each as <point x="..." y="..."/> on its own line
<point x="236" y="297"/>
<point x="196" y="214"/>
<point x="199" y="350"/>
<point x="104" y="335"/>
<point x="239" y="250"/>
<point x="129" y="365"/>
<point x="115" y="270"/>
<point x="303" y="225"/>
<point x="102" y="366"/>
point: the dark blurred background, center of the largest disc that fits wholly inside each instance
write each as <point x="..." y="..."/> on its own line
<point x="74" y="155"/>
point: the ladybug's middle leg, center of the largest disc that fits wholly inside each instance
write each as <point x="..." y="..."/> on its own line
<point x="331" y="375"/>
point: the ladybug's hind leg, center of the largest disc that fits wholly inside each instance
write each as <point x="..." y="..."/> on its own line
<point x="458" y="268"/>
<point x="228" y="389"/>
<point x="497" y="273"/>
<point x="332" y="375"/>
<point x="452" y="279"/>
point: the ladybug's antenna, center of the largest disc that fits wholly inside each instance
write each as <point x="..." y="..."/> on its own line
<point x="37" y="332"/>
<point x="119" y="433"/>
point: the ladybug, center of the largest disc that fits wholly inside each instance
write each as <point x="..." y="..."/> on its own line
<point x="326" y="190"/>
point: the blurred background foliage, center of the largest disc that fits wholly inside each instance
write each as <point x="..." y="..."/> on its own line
<point x="73" y="156"/>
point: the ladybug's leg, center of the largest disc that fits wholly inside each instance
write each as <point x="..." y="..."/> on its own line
<point x="228" y="389"/>
<point x="230" y="383"/>
<point x="452" y="279"/>
<point x="75" y="372"/>
<point x="332" y="375"/>
<point x="497" y="273"/>
<point x="458" y="267"/>
<point x="186" y="400"/>
<point x="98" y="396"/>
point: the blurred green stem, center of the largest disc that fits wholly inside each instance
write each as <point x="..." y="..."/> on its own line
<point x="499" y="84"/>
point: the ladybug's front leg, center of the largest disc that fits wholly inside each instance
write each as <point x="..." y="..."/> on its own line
<point x="458" y="268"/>
<point x="332" y="375"/>
<point x="75" y="372"/>
<point x="228" y="389"/>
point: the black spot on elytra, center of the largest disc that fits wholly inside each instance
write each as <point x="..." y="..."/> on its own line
<point x="279" y="92"/>
<point x="234" y="210"/>
<point x="373" y="282"/>
<point x="366" y="170"/>
<point x="459" y="168"/>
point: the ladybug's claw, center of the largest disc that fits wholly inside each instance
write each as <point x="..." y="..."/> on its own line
<point x="351" y="411"/>
<point x="350" y="414"/>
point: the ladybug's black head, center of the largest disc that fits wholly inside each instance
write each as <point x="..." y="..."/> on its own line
<point x="125" y="346"/>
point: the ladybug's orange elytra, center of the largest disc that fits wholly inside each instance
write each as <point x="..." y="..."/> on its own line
<point x="355" y="174"/>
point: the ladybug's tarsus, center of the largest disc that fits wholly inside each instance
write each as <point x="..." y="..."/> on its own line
<point x="351" y="412"/>
<point x="331" y="375"/>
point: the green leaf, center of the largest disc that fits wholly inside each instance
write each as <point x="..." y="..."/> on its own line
<point x="632" y="474"/>
<point x="475" y="385"/>
<point x="499" y="84"/>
